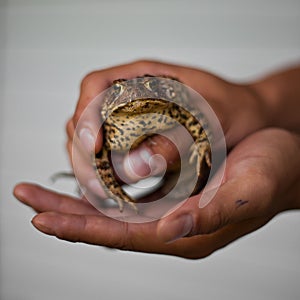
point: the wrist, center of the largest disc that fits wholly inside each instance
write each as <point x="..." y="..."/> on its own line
<point x="268" y="96"/>
<point x="280" y="92"/>
<point x="249" y="113"/>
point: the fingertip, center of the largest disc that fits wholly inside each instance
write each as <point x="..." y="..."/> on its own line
<point x="87" y="139"/>
<point x="22" y="191"/>
<point x="69" y="127"/>
<point x="95" y="187"/>
<point x="18" y="190"/>
<point x="44" y="222"/>
<point x="142" y="162"/>
<point x="136" y="163"/>
<point x="90" y="136"/>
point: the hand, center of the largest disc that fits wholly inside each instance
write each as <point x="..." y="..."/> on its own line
<point x="238" y="107"/>
<point x="261" y="180"/>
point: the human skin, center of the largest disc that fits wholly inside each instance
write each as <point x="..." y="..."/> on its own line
<point x="261" y="180"/>
<point x="260" y="177"/>
<point x="241" y="109"/>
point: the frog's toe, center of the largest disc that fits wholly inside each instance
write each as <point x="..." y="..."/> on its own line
<point x="121" y="204"/>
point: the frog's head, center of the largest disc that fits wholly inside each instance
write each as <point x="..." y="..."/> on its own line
<point x="140" y="95"/>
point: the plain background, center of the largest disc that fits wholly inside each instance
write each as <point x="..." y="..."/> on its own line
<point x="46" y="48"/>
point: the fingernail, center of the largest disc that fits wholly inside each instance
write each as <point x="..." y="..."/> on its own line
<point x="142" y="162"/>
<point x="95" y="187"/>
<point x="45" y="223"/>
<point x="173" y="230"/>
<point x="87" y="139"/>
<point x="136" y="164"/>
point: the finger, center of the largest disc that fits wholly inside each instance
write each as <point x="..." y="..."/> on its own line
<point x="84" y="171"/>
<point x="73" y="144"/>
<point x="70" y="130"/>
<point x="86" y="177"/>
<point x="86" y="119"/>
<point x="155" y="155"/>
<point x="89" y="127"/>
<point x="247" y="191"/>
<point x="98" y="230"/>
<point x="231" y="204"/>
<point x="201" y="246"/>
<point x="97" y="81"/>
<point x="41" y="200"/>
<point x="103" y="231"/>
<point x="69" y="150"/>
<point x="76" y="151"/>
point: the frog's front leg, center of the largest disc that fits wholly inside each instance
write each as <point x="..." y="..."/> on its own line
<point x="108" y="181"/>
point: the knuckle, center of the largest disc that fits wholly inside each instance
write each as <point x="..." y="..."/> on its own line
<point x="89" y="78"/>
<point x="213" y="219"/>
<point x="70" y="127"/>
<point x="125" y="242"/>
<point x="144" y="64"/>
<point x="63" y="231"/>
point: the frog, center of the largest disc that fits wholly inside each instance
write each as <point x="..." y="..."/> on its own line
<point x="134" y="110"/>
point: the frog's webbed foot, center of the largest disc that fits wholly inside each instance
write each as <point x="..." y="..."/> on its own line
<point x="108" y="181"/>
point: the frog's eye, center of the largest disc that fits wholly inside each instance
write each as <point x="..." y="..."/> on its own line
<point x="170" y="92"/>
<point x="118" y="89"/>
<point x="151" y="85"/>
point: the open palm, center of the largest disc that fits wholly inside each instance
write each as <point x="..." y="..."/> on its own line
<point x="255" y="188"/>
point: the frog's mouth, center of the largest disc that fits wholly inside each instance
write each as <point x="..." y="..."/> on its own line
<point x="142" y="106"/>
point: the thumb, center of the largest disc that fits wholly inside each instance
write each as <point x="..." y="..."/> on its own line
<point x="236" y="200"/>
<point x="155" y="155"/>
<point x="88" y="128"/>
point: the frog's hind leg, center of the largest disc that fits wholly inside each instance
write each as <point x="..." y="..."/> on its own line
<point x="201" y="158"/>
<point x="107" y="179"/>
<point x="200" y="151"/>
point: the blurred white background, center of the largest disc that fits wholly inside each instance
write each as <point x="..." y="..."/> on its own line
<point x="46" y="48"/>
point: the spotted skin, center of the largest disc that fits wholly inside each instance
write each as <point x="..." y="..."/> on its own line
<point x="131" y="114"/>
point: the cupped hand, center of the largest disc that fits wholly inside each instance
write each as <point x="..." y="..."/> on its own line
<point x="261" y="180"/>
<point x="238" y="107"/>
